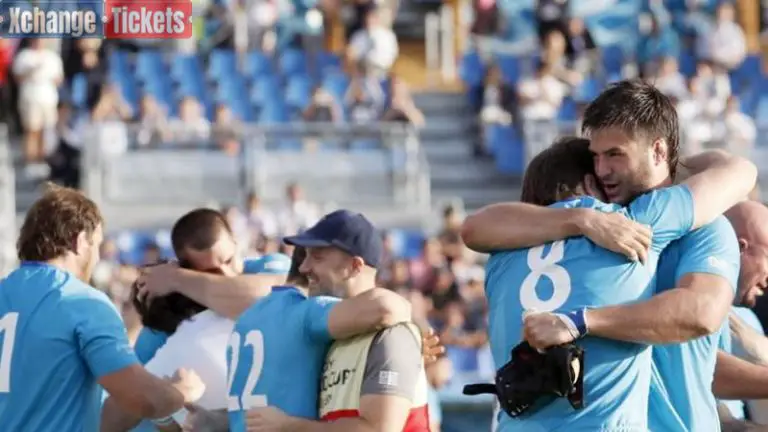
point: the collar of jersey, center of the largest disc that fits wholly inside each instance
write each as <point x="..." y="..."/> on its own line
<point x="284" y="288"/>
<point x="37" y="264"/>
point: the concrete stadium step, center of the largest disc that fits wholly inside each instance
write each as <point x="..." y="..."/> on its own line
<point x="453" y="151"/>
<point x="436" y="102"/>
<point x="446" y="128"/>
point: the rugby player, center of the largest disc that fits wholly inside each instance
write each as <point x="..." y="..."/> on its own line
<point x="374" y="381"/>
<point x="61" y="338"/>
<point x="633" y="132"/>
<point x="579" y="275"/>
<point x="191" y="335"/>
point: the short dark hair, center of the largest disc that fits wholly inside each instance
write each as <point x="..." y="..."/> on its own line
<point x="198" y="230"/>
<point x="54" y="221"/>
<point x="640" y="110"/>
<point x="295" y="276"/>
<point x="164" y="313"/>
<point x="557" y="172"/>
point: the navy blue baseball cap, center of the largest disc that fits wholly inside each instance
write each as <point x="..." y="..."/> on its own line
<point x="349" y="231"/>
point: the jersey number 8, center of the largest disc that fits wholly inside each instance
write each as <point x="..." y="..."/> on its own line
<point x="247" y="400"/>
<point x="546" y="266"/>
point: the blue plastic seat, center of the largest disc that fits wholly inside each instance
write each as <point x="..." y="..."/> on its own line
<point x="257" y="64"/>
<point x="222" y="64"/>
<point x="293" y="62"/>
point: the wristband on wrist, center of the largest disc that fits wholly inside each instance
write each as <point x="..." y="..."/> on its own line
<point x="576" y="322"/>
<point x="178" y="417"/>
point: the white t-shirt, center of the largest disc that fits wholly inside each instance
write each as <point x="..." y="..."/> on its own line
<point x="200" y="344"/>
<point x="40" y="69"/>
<point x="378" y="46"/>
<point x="545" y="95"/>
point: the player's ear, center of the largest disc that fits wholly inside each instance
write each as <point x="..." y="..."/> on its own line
<point x="82" y="243"/>
<point x="743" y="244"/>
<point x="660" y="151"/>
<point x="357" y="265"/>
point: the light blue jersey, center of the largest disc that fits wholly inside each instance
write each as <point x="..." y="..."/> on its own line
<point x="58" y="336"/>
<point x="276" y="355"/>
<point x="730" y="345"/>
<point x="575" y="273"/>
<point x="681" y="383"/>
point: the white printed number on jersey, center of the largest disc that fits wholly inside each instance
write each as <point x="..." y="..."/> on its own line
<point x="247" y="400"/>
<point x="8" y="337"/>
<point x="546" y="266"/>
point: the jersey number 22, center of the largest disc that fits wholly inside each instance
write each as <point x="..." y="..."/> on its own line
<point x="547" y="266"/>
<point x="8" y="337"/>
<point x="247" y="399"/>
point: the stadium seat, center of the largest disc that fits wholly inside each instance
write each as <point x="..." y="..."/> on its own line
<point x="471" y="69"/>
<point x="297" y="92"/>
<point x="149" y="65"/>
<point x="265" y="91"/>
<point x="336" y="83"/>
<point x="223" y="63"/>
<point x="79" y="92"/>
<point x="510" y="156"/>
<point x="256" y="65"/>
<point x="293" y="62"/>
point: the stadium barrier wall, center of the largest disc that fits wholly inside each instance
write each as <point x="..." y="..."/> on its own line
<point x="378" y="164"/>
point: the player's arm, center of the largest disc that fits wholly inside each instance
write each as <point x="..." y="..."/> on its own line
<point x="707" y="275"/>
<point x="718" y="181"/>
<point x="739" y="379"/>
<point x="391" y="377"/>
<point x="519" y="225"/>
<point x="103" y="344"/>
<point x="371" y="310"/>
<point x="228" y="296"/>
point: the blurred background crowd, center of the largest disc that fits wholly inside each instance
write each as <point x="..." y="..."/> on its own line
<point x="90" y="113"/>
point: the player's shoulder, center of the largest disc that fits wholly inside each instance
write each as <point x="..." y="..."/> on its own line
<point x="398" y="334"/>
<point x="719" y="230"/>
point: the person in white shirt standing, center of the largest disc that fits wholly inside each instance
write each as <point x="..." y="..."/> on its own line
<point x="726" y="44"/>
<point x="39" y="72"/>
<point x="374" y="48"/>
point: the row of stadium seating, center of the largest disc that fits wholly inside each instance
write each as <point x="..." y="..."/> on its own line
<point x="257" y="89"/>
<point x="131" y="244"/>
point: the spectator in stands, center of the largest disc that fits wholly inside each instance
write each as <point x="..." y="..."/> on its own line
<point x="450" y="233"/>
<point x="298" y="214"/>
<point x="64" y="162"/>
<point x="669" y="80"/>
<point x="262" y="23"/>
<point x="540" y="96"/>
<point x="423" y="268"/>
<point x="261" y="221"/>
<point x="362" y="108"/>
<point x="153" y="122"/>
<point x="371" y="89"/>
<point x="696" y="124"/>
<point x="725" y="44"/>
<point x="152" y="254"/>
<point x="498" y="98"/>
<point x="401" y="107"/>
<point x="111" y="106"/>
<point x="661" y="41"/>
<point x="487" y="18"/>
<point x="554" y="55"/>
<point x="398" y="277"/>
<point x="238" y="222"/>
<point x="39" y="72"/>
<point x="580" y="49"/>
<point x="86" y="58"/>
<point x="713" y="89"/>
<point x="191" y="126"/>
<point x="224" y="131"/>
<point x="740" y="129"/>
<point x="322" y="107"/>
<point x="360" y="9"/>
<point x="373" y="49"/>
<point x="551" y="16"/>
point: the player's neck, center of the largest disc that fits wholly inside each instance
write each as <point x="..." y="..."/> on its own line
<point x="66" y="263"/>
<point x="360" y="284"/>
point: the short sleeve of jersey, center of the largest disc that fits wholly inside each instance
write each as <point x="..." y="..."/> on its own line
<point x="147" y="344"/>
<point x="669" y="212"/>
<point x="316" y="314"/>
<point x="100" y="333"/>
<point x="711" y="249"/>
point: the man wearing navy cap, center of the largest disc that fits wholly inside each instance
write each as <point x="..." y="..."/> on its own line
<point x="374" y="381"/>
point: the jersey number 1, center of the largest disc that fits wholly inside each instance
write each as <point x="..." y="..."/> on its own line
<point x="546" y="266"/>
<point x="8" y="336"/>
<point x="247" y="400"/>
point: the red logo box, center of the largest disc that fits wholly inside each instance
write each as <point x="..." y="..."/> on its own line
<point x="153" y="19"/>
